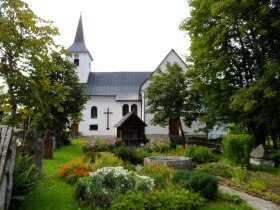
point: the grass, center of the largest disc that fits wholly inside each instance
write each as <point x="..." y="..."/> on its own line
<point x="53" y="193"/>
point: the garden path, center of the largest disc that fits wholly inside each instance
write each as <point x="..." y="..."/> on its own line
<point x="255" y="202"/>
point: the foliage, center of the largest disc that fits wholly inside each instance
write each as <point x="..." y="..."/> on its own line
<point x="59" y="119"/>
<point x="275" y="156"/>
<point x="239" y="174"/>
<point x="105" y="184"/>
<point x="199" y="154"/>
<point x="106" y="159"/>
<point x="235" y="64"/>
<point x="25" y="42"/>
<point x="168" y="107"/>
<point x="181" y="177"/>
<point x="205" y="184"/>
<point x="236" y="147"/>
<point x="169" y="198"/>
<point x="161" y="174"/>
<point x="158" y="146"/>
<point x="98" y="145"/>
<point x="218" y="169"/>
<point x="73" y="170"/>
<point x="131" y="154"/>
<point x="26" y="178"/>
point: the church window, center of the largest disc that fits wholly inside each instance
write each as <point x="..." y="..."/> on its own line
<point x="125" y="109"/>
<point x="134" y="108"/>
<point x="94" y="112"/>
<point x="93" y="127"/>
<point x="76" y="61"/>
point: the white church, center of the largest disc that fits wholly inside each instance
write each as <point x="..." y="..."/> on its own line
<point x="115" y="95"/>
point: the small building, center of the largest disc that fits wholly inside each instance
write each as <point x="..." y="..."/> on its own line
<point x="131" y="129"/>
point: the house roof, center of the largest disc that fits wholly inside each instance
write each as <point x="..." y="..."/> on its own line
<point x="126" y="117"/>
<point x="79" y="45"/>
<point x="123" y="85"/>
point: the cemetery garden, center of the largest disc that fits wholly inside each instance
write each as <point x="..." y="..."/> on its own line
<point x="93" y="173"/>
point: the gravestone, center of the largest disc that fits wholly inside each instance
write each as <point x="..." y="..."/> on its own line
<point x="34" y="147"/>
<point x="258" y="152"/>
<point x="48" y="142"/>
<point x="257" y="157"/>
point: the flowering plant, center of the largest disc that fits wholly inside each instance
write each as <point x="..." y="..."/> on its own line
<point x="106" y="183"/>
<point x="71" y="171"/>
<point x="98" y="145"/>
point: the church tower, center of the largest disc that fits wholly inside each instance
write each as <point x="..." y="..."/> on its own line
<point x="80" y="54"/>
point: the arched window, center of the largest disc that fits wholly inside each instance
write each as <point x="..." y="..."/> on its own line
<point x="94" y="112"/>
<point x="125" y="109"/>
<point x="134" y="108"/>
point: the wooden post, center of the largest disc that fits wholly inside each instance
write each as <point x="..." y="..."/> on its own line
<point x="7" y="163"/>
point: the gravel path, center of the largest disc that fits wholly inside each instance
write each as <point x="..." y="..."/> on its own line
<point x="254" y="202"/>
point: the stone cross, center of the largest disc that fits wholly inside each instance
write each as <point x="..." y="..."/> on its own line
<point x="108" y="112"/>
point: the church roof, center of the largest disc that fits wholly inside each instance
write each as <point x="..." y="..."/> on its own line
<point x="79" y="45"/>
<point x="124" y="85"/>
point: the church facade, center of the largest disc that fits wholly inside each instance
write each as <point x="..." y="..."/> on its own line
<point x="113" y="95"/>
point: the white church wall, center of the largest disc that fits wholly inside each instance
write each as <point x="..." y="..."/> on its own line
<point x="84" y="66"/>
<point x="103" y="103"/>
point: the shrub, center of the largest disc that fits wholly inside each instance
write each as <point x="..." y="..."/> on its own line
<point x="161" y="174"/>
<point x="181" y="177"/>
<point x="236" y="147"/>
<point x="26" y="178"/>
<point x="275" y="156"/>
<point x="98" y="145"/>
<point x="131" y="154"/>
<point x="205" y="184"/>
<point x="239" y="174"/>
<point x="106" y="159"/>
<point x="169" y="198"/>
<point x="158" y="146"/>
<point x="71" y="171"/>
<point x="199" y="154"/>
<point x="103" y="185"/>
<point x="217" y="169"/>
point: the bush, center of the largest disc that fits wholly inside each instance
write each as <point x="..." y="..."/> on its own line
<point x="26" y="178"/>
<point x="236" y="148"/>
<point x="169" y="198"/>
<point x="98" y="145"/>
<point x="71" y="171"/>
<point x="205" y="184"/>
<point x="199" y="154"/>
<point x="217" y="169"/>
<point x="105" y="184"/>
<point x="106" y="159"/>
<point x="275" y="156"/>
<point x="161" y="174"/>
<point x="131" y="154"/>
<point x="181" y="177"/>
<point x="158" y="146"/>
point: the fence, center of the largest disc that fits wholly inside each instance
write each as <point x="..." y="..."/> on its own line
<point x="7" y="162"/>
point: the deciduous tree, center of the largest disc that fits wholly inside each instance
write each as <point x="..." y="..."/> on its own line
<point x="235" y="60"/>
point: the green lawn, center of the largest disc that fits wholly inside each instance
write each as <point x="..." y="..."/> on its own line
<point x="53" y="193"/>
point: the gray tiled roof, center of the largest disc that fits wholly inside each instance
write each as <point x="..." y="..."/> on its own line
<point x="123" y="85"/>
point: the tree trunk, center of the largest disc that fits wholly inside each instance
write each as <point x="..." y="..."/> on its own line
<point x="182" y="134"/>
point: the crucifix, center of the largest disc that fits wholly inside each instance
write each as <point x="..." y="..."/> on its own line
<point x="108" y="112"/>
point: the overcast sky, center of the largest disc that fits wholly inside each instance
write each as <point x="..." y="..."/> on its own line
<point x="122" y="35"/>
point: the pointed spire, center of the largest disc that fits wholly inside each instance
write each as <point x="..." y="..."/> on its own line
<point x="80" y="32"/>
<point x="79" y="45"/>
